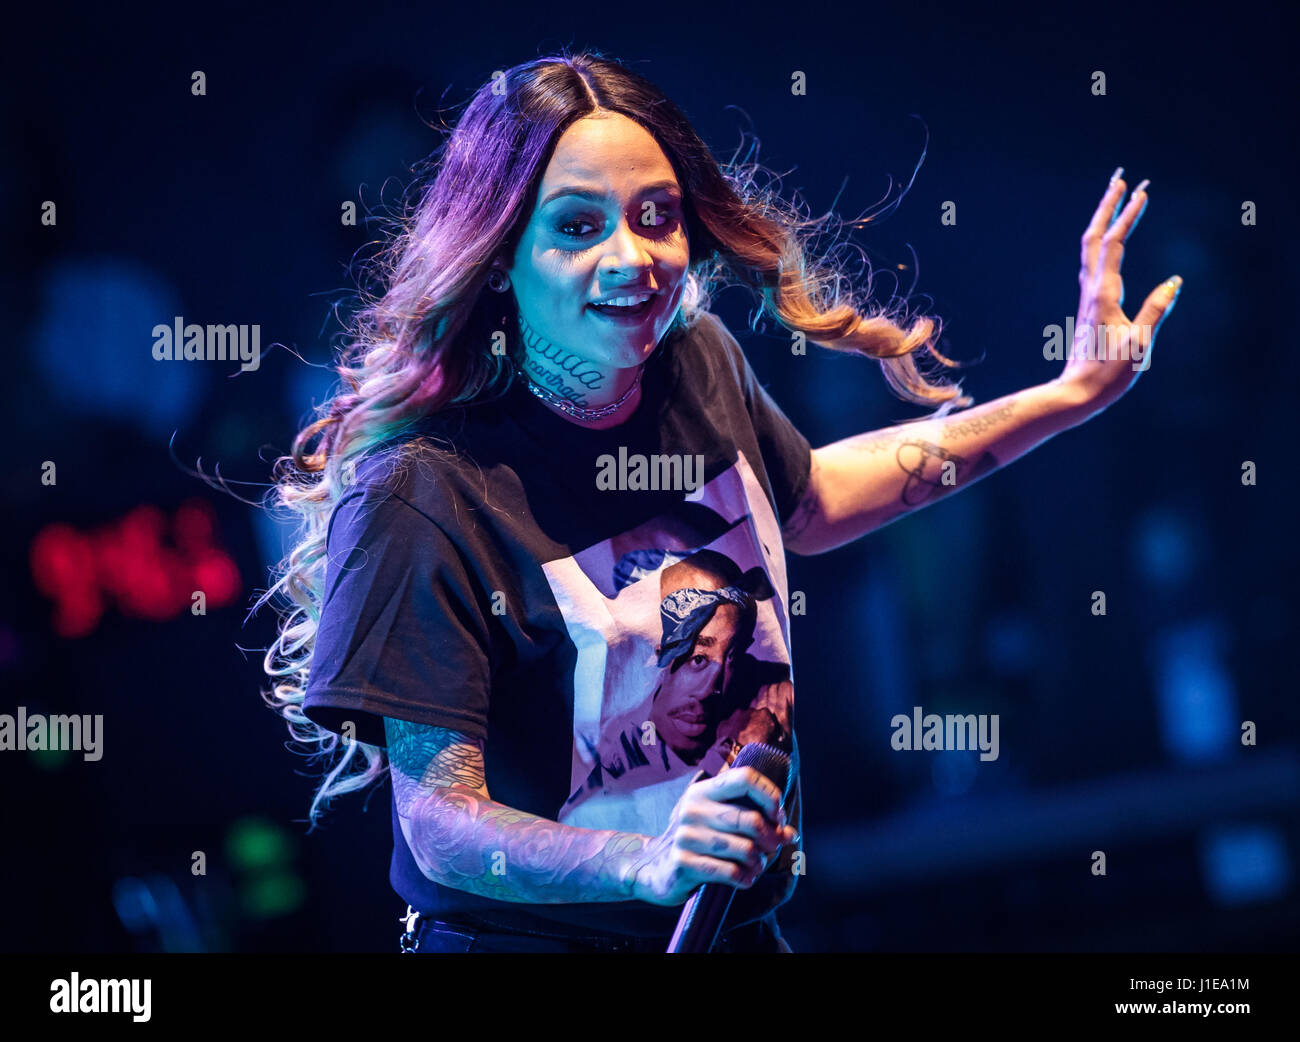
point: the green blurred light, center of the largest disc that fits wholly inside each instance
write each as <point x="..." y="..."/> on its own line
<point x="254" y="843"/>
<point x="272" y="894"/>
<point x="49" y="759"/>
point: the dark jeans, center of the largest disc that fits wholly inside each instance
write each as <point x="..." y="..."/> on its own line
<point x="433" y="936"/>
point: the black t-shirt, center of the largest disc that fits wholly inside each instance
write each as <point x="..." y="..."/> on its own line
<point x="606" y="636"/>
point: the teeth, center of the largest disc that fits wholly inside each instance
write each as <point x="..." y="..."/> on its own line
<point x="624" y="302"/>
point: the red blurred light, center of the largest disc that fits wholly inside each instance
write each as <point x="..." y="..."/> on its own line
<point x="130" y="562"/>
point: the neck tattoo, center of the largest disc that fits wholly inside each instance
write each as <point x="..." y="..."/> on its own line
<point x="565" y="388"/>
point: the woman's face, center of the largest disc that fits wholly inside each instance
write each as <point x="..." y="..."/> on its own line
<point x="608" y="223"/>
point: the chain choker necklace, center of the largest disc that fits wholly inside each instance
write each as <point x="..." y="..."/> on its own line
<point x="572" y="409"/>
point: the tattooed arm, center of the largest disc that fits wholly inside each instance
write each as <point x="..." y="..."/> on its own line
<point x="863" y="483"/>
<point x="458" y="834"/>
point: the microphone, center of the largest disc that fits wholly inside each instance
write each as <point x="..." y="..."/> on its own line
<point x="701" y="918"/>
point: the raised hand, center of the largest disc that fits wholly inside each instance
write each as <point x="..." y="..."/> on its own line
<point x="1110" y="350"/>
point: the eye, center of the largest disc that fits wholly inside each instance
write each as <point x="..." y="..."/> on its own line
<point x="663" y="213"/>
<point x="571" y="223"/>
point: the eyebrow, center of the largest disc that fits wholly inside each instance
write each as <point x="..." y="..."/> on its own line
<point x="596" y="195"/>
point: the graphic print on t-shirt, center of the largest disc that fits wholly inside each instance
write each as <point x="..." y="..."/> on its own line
<point x="683" y="651"/>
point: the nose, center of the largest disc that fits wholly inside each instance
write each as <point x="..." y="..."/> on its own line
<point x="713" y="680"/>
<point x="626" y="250"/>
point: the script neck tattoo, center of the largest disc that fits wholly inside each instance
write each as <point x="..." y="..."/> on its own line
<point x="559" y="370"/>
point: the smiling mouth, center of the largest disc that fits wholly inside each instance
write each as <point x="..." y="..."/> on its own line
<point x="624" y="309"/>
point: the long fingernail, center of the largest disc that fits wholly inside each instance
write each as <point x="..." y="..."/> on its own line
<point x="1172" y="286"/>
<point x="1116" y="175"/>
<point x="1141" y="186"/>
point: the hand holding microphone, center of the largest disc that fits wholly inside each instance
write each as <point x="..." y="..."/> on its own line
<point x="709" y="840"/>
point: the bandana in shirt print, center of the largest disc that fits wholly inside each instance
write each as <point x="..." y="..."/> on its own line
<point x="682" y="632"/>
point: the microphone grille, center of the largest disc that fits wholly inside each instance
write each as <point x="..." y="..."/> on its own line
<point x="769" y="761"/>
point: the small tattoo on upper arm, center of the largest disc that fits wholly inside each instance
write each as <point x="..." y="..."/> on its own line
<point x="958" y="426"/>
<point x="932" y="470"/>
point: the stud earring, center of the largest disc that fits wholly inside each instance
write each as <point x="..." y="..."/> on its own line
<point x="498" y="281"/>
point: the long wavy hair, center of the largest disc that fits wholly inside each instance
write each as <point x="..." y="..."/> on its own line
<point x="421" y="339"/>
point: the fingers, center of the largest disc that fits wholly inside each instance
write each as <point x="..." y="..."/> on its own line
<point x="1111" y="225"/>
<point x="1155" y="309"/>
<point x="724" y="847"/>
<point x="1130" y="215"/>
<point x="1112" y="242"/>
<point x="743" y="822"/>
<point x="1101" y="220"/>
<point x="745" y="781"/>
<point x="711" y="870"/>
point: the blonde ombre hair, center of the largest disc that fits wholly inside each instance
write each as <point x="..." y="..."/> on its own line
<point x="422" y="343"/>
